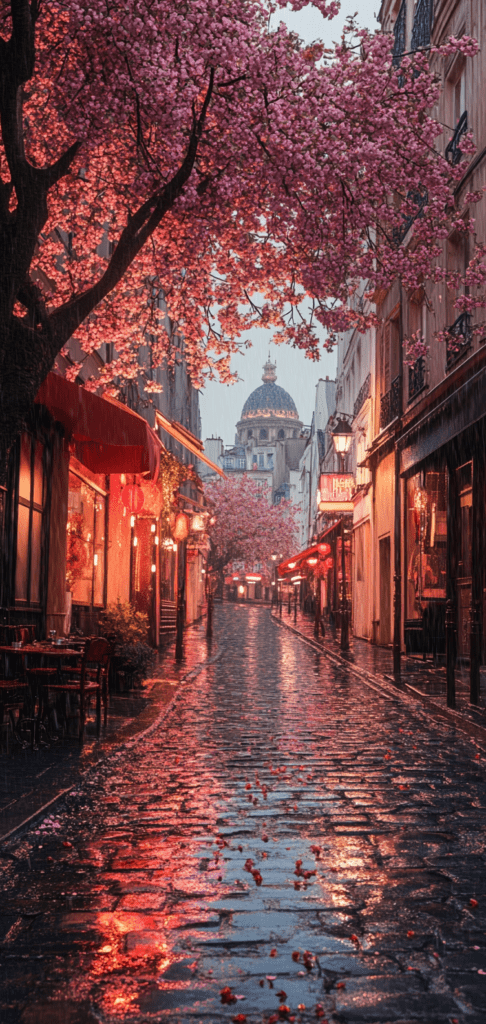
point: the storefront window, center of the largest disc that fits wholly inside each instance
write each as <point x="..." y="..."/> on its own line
<point x="85" y="559"/>
<point x="426" y="525"/>
<point x="29" y="521"/>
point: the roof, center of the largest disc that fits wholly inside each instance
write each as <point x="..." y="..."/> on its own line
<point x="269" y="399"/>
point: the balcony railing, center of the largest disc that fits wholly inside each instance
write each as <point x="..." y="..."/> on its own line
<point x="363" y="394"/>
<point x="390" y="404"/>
<point x="459" y="338"/>
<point x="416" y="378"/>
<point x="453" y="151"/>
<point x="420" y="198"/>
<point x="422" y="25"/>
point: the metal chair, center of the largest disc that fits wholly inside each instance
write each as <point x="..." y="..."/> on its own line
<point x="88" y="679"/>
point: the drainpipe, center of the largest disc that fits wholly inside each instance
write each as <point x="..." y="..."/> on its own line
<point x="397" y="577"/>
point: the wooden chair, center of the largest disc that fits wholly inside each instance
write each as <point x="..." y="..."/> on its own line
<point x="88" y="679"/>
<point x="13" y="695"/>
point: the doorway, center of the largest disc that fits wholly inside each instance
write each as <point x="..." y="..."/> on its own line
<point x="385" y="590"/>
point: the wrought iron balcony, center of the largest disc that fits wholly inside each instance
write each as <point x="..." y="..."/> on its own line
<point x="422" y="25"/>
<point x="416" y="378"/>
<point x="363" y="394"/>
<point x="420" y="198"/>
<point x="459" y="338"/>
<point x="453" y="151"/>
<point x="390" y="403"/>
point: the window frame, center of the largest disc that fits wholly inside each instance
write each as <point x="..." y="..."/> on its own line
<point x="33" y="507"/>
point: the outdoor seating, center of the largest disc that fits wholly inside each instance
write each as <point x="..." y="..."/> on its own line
<point x="13" y="694"/>
<point x="87" y="679"/>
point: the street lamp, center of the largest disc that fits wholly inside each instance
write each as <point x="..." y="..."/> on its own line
<point x="342" y="436"/>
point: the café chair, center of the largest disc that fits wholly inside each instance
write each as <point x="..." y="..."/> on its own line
<point x="12" y="699"/>
<point x="88" y="679"/>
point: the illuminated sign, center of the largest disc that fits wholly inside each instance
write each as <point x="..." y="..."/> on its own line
<point x="336" y="492"/>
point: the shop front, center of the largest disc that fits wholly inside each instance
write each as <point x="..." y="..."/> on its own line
<point x="443" y="464"/>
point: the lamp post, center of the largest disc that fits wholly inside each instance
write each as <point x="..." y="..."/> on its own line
<point x="342" y="435"/>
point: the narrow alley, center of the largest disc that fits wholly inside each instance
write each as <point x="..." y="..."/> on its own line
<point x="289" y="843"/>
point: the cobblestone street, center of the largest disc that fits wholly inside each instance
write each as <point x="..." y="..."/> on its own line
<point x="288" y="844"/>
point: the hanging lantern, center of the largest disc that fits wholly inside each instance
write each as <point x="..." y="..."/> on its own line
<point x="329" y="563"/>
<point x="132" y="498"/>
<point x="152" y="498"/>
<point x="324" y="549"/>
<point x="198" y="524"/>
<point x="180" y="529"/>
<point x="312" y="561"/>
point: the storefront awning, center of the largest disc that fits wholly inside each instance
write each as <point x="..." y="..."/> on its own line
<point x="294" y="563"/>
<point x="187" y="440"/>
<point x="108" y="437"/>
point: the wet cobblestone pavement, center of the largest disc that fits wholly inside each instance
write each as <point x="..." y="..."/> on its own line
<point x="289" y="844"/>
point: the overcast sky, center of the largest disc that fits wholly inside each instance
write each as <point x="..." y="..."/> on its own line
<point x="220" y="404"/>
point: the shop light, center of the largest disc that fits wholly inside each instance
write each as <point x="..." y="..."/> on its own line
<point x="156" y="540"/>
<point x="292" y="565"/>
<point x="135" y="541"/>
<point x="152" y="528"/>
<point x="95" y="559"/>
<point x="132" y="521"/>
<point x="153" y="567"/>
<point x="241" y="590"/>
<point x="312" y="561"/>
<point x="174" y="547"/>
<point x="295" y="579"/>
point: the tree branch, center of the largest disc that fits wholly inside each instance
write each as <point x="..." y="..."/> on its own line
<point x="65" y="320"/>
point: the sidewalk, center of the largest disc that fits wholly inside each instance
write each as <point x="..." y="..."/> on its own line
<point x="420" y="679"/>
<point x="32" y="780"/>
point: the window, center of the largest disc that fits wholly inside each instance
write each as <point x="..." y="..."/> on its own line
<point x="30" y="509"/>
<point x="250" y="434"/>
<point x="426" y="537"/>
<point x="281" y="433"/>
<point x="261" y="461"/>
<point x="85" y="559"/>
<point x="241" y="463"/>
<point x="263" y="434"/>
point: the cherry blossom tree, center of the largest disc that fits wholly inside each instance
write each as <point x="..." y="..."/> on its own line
<point x="245" y="528"/>
<point x="156" y="149"/>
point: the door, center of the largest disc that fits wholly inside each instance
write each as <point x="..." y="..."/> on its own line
<point x="385" y="591"/>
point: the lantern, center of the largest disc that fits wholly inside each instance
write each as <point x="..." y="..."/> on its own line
<point x="312" y="561"/>
<point x="197" y="524"/>
<point x="329" y="563"/>
<point x="180" y="529"/>
<point x="324" y="549"/>
<point x="133" y="498"/>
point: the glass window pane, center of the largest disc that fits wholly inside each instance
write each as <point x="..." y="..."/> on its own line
<point x="99" y="552"/>
<point x="24" y="469"/>
<point x="38" y="475"/>
<point x="35" y="557"/>
<point x="80" y="540"/>
<point x="22" y="565"/>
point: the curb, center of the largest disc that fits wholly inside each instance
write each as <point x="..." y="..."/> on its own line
<point x="116" y="747"/>
<point x="390" y="689"/>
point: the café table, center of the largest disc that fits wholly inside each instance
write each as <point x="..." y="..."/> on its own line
<point x="37" y="686"/>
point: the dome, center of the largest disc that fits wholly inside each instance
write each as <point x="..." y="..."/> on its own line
<point x="269" y="399"/>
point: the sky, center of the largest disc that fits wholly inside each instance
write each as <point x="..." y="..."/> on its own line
<point x="221" y="404"/>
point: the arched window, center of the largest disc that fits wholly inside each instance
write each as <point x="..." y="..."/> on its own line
<point x="295" y="433"/>
<point x="250" y="434"/>
<point x="281" y="433"/>
<point x="263" y="434"/>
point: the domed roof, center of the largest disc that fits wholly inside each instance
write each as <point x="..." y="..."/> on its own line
<point x="269" y="399"/>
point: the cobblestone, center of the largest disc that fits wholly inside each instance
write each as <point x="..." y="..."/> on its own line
<point x="289" y="844"/>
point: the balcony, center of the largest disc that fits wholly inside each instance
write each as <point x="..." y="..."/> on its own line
<point x="453" y="151"/>
<point x="399" y="33"/>
<point x="459" y="339"/>
<point x="363" y="394"/>
<point x="420" y="198"/>
<point x="390" y="403"/>
<point x="416" y="378"/>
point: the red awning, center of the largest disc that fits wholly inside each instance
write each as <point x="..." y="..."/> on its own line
<point x="108" y="436"/>
<point x="297" y="560"/>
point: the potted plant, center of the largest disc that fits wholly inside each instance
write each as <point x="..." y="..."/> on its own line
<point x="127" y="631"/>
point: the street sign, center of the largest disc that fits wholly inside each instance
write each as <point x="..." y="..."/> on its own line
<point x="336" y="491"/>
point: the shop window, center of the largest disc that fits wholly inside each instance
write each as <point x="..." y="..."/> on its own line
<point x="86" y="544"/>
<point x="426" y="521"/>
<point x="30" y="509"/>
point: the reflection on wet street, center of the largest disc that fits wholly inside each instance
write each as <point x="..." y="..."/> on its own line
<point x="289" y="844"/>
